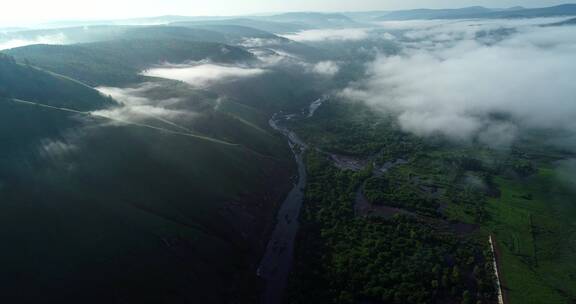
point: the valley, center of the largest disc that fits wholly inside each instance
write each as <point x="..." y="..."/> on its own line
<point x="276" y="264"/>
<point x="408" y="156"/>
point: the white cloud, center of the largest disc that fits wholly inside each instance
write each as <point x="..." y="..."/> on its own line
<point x="330" y="34"/>
<point x="48" y="39"/>
<point x="137" y="113"/>
<point x="260" y="42"/>
<point x="412" y="24"/>
<point x="23" y="11"/>
<point x="326" y="68"/>
<point x="272" y="57"/>
<point x="457" y="88"/>
<point x="438" y="34"/>
<point x="388" y="36"/>
<point x="467" y="25"/>
<point x="54" y="149"/>
<point x="203" y="74"/>
<point x="135" y="107"/>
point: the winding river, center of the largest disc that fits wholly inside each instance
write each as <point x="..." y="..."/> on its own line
<point x="277" y="261"/>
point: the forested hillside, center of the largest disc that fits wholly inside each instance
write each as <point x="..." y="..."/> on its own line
<point x="120" y="61"/>
<point x="27" y="82"/>
<point x="147" y="209"/>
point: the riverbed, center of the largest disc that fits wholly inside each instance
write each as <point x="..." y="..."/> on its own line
<point x="277" y="260"/>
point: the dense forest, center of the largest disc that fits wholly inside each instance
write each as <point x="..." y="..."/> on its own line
<point x="412" y="225"/>
<point x="346" y="258"/>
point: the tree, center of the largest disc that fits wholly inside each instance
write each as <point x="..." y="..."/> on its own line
<point x="455" y="274"/>
<point x="466" y="297"/>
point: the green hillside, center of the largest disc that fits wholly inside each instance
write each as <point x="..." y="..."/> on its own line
<point x="29" y="83"/>
<point x="264" y="25"/>
<point x="119" y="61"/>
<point x="193" y="31"/>
<point x="76" y="34"/>
<point x="125" y="213"/>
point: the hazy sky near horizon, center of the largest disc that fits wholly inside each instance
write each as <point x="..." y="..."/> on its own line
<point x="16" y="12"/>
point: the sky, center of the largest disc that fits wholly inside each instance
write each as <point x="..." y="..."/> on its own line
<point x="19" y="12"/>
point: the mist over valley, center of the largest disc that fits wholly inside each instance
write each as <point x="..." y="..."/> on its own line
<point x="370" y="156"/>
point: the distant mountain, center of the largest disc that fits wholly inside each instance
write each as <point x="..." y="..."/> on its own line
<point x="514" y="8"/>
<point x="11" y="29"/>
<point x="156" y="20"/>
<point x="274" y="23"/>
<point x="220" y="32"/>
<point x="563" y="23"/>
<point x="481" y="12"/>
<point x="251" y="38"/>
<point x="119" y="62"/>
<point x="281" y="23"/>
<point x="259" y="24"/>
<point x="434" y="13"/>
<point x="554" y="11"/>
<point x="162" y="20"/>
<point x="193" y="36"/>
<point x="230" y="33"/>
<point x="365" y="16"/>
<point x="316" y="20"/>
<point x="66" y="35"/>
<point x="173" y="32"/>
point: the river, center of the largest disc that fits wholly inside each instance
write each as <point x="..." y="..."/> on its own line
<point x="277" y="260"/>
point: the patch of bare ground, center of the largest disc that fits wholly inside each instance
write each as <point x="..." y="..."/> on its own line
<point x="497" y="251"/>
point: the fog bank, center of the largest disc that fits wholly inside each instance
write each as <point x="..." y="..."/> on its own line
<point x="329" y="34"/>
<point x="202" y="74"/>
<point x="49" y="39"/>
<point x="460" y="81"/>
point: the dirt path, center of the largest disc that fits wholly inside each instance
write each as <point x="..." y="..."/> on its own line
<point x="496" y="272"/>
<point x="95" y="114"/>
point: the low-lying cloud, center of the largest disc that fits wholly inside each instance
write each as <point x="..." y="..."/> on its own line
<point x="135" y="107"/>
<point x="463" y="88"/>
<point x="203" y="74"/>
<point x="260" y="42"/>
<point x="330" y="35"/>
<point x="326" y="68"/>
<point x="55" y="149"/>
<point x="440" y="34"/>
<point x="270" y="57"/>
<point x="48" y="39"/>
